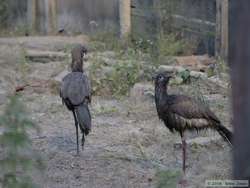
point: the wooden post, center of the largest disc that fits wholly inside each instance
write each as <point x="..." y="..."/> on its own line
<point x="224" y="29"/>
<point x="221" y="43"/>
<point x="239" y="61"/>
<point x="52" y="17"/>
<point x="125" y="18"/>
<point x="31" y="14"/>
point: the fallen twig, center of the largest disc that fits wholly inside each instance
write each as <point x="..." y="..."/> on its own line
<point x="41" y="83"/>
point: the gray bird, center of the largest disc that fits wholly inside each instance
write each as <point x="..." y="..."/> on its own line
<point x="75" y="92"/>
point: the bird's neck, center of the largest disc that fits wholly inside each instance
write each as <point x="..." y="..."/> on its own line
<point x="161" y="94"/>
<point x="77" y="67"/>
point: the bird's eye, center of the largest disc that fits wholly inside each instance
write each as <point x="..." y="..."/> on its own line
<point x="161" y="78"/>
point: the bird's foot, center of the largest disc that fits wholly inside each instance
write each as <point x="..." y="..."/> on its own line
<point x="83" y="141"/>
<point x="183" y="182"/>
<point x="77" y="154"/>
<point x="82" y="146"/>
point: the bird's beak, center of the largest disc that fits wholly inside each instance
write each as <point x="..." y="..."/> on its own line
<point x="153" y="77"/>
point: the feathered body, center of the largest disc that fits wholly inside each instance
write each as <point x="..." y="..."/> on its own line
<point x="180" y="113"/>
<point x="76" y="93"/>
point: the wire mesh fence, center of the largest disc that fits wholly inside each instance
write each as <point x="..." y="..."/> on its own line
<point x="191" y="19"/>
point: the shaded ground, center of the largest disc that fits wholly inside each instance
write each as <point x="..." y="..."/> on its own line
<point x="128" y="145"/>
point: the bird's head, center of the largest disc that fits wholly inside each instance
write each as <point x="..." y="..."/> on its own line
<point x="84" y="52"/>
<point x="78" y="54"/>
<point x="79" y="51"/>
<point x="162" y="79"/>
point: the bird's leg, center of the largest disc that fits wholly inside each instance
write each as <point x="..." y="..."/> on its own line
<point x="183" y="181"/>
<point x="183" y="140"/>
<point x="83" y="140"/>
<point x="76" y="125"/>
<point x="83" y="137"/>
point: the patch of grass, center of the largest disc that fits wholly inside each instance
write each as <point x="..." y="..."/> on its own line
<point x="97" y="79"/>
<point x="54" y="87"/>
<point x="23" y="65"/>
<point x="102" y="110"/>
<point x="104" y="41"/>
<point x="221" y="67"/>
<point x="170" y="45"/>
<point x="167" y="179"/>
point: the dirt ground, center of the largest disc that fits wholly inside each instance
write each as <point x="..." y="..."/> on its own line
<point x="128" y="146"/>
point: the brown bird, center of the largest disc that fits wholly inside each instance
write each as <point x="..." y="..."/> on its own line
<point x="76" y="93"/>
<point x="180" y="113"/>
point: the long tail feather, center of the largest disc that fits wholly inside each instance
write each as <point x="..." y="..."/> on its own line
<point x="225" y="133"/>
<point x="84" y="118"/>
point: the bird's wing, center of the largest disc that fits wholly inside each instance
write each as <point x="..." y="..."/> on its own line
<point x="189" y="108"/>
<point x="88" y="86"/>
<point x="75" y="87"/>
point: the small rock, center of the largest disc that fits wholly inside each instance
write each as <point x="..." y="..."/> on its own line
<point x="140" y="91"/>
<point x="109" y="54"/>
<point x="166" y="68"/>
<point x="197" y="74"/>
<point x="177" y="80"/>
<point x="215" y="80"/>
<point x="45" y="56"/>
<point x="195" y="62"/>
<point x="170" y="69"/>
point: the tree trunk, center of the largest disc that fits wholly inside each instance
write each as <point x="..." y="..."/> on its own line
<point x="125" y="18"/>
<point x="239" y="61"/>
<point x="31" y="14"/>
<point x="221" y="39"/>
<point x="52" y="16"/>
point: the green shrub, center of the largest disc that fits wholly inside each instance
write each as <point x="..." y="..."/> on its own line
<point x="3" y="13"/>
<point x="114" y="78"/>
<point x="167" y="179"/>
<point x="105" y="41"/>
<point x="18" y="161"/>
<point x="123" y="77"/>
<point x="169" y="45"/>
